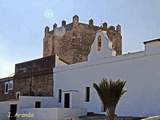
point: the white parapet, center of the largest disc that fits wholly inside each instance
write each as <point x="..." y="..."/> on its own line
<point x="54" y="113"/>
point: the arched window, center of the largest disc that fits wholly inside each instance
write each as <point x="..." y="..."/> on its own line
<point x="99" y="46"/>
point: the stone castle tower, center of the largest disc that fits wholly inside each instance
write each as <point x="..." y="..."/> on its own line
<point x="72" y="42"/>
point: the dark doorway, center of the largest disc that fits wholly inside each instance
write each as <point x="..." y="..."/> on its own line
<point x="13" y="110"/>
<point x="37" y="104"/>
<point x="87" y="94"/>
<point x="60" y="95"/>
<point x="66" y="100"/>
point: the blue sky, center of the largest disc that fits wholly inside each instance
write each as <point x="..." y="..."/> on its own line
<point x="22" y="24"/>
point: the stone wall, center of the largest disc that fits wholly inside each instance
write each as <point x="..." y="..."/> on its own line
<point x="35" y="78"/>
<point x="3" y="96"/>
<point x="72" y="42"/>
<point x="37" y="84"/>
<point x="32" y="78"/>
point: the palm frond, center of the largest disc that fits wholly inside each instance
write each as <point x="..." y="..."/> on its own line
<point x="110" y="91"/>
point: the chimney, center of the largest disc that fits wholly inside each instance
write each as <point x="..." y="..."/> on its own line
<point x="152" y="46"/>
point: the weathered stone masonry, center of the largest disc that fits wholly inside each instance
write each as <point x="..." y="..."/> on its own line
<point x="32" y="78"/>
<point x="3" y="96"/>
<point x="72" y="42"/>
<point x="35" y="78"/>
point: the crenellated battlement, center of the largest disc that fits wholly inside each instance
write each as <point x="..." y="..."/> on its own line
<point x="72" y="41"/>
<point x="75" y="22"/>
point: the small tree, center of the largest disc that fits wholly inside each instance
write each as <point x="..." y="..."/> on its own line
<point x="110" y="92"/>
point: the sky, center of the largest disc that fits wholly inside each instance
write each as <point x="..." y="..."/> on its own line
<point x="22" y="24"/>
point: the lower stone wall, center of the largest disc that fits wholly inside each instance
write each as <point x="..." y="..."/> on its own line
<point x="10" y="94"/>
<point x="35" y="85"/>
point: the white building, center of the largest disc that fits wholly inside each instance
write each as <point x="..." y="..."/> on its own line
<point x="74" y="94"/>
<point x="74" y="83"/>
<point x="38" y="108"/>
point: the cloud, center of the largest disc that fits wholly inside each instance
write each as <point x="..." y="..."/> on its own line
<point x="48" y="14"/>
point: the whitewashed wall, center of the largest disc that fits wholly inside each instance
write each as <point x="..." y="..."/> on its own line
<point x="53" y="113"/>
<point x="29" y="102"/>
<point x="105" y="49"/>
<point x="5" y="109"/>
<point x="75" y="99"/>
<point x="140" y="70"/>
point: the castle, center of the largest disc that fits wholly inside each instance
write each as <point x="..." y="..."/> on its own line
<point x="72" y="42"/>
<point x="75" y="55"/>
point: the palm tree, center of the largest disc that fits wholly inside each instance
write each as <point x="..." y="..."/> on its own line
<point x="110" y="92"/>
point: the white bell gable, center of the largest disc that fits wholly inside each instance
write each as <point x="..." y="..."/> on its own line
<point x="101" y="47"/>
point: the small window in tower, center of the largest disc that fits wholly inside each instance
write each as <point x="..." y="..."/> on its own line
<point x="99" y="43"/>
